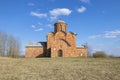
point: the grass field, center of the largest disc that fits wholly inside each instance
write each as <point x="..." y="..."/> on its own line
<point x="60" y="69"/>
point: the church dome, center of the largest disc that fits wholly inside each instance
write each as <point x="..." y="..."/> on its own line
<point x="60" y="21"/>
<point x="60" y="25"/>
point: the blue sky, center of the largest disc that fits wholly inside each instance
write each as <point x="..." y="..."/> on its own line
<point x="96" y="22"/>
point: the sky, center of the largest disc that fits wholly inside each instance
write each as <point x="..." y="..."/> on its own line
<point x="96" y="22"/>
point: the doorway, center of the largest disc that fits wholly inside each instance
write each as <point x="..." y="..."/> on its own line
<point x="60" y="53"/>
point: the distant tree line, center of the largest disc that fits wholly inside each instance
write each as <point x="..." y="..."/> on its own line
<point x="102" y="54"/>
<point x="98" y="54"/>
<point x="9" y="45"/>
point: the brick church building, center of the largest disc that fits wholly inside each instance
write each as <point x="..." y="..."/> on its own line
<point x="60" y="43"/>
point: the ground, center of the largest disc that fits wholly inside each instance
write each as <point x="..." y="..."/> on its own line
<point x="60" y="69"/>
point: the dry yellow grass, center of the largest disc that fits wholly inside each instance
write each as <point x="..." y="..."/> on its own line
<point x="59" y="69"/>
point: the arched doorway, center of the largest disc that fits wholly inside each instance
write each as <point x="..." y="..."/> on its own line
<point x="60" y="53"/>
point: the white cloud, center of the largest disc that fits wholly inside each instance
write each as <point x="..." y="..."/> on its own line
<point x="81" y="9"/>
<point x="40" y="29"/>
<point x="53" y="18"/>
<point x="107" y="34"/>
<point x="36" y="28"/>
<point x="39" y="23"/>
<point x="112" y="34"/>
<point x="33" y="26"/>
<point x="37" y="14"/>
<point x="49" y="25"/>
<point x="31" y="4"/>
<point x="94" y="36"/>
<point x="59" y="11"/>
<point x="85" y="1"/>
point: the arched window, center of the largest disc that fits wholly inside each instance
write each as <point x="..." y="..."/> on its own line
<point x="60" y="27"/>
<point x="60" y="53"/>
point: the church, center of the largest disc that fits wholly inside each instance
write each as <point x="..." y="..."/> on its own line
<point x="60" y="43"/>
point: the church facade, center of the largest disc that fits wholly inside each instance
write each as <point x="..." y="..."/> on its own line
<point x="60" y="43"/>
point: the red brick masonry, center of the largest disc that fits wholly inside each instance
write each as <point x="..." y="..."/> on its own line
<point x="59" y="44"/>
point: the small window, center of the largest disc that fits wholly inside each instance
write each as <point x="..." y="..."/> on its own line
<point x="60" y="27"/>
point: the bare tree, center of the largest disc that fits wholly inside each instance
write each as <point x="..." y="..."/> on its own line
<point x="3" y="41"/>
<point x="16" y="48"/>
<point x="9" y="45"/>
<point x="14" y="45"/>
<point x="0" y="44"/>
<point x="89" y="49"/>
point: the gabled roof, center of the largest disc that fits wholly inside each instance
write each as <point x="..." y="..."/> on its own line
<point x="72" y="33"/>
<point x="38" y="44"/>
<point x="44" y="44"/>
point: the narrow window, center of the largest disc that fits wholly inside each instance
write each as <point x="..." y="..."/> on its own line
<point x="60" y="27"/>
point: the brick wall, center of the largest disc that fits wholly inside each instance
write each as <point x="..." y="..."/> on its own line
<point x="33" y="51"/>
<point x="71" y="39"/>
<point x="81" y="52"/>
